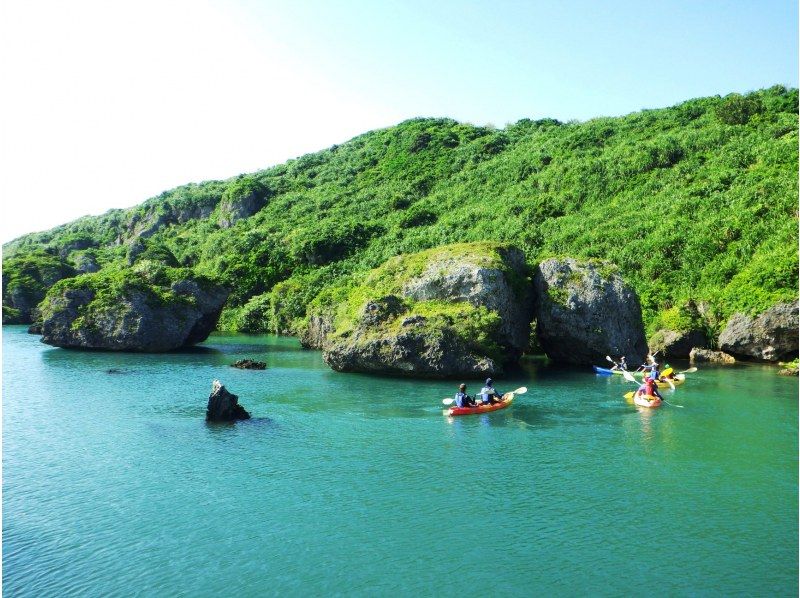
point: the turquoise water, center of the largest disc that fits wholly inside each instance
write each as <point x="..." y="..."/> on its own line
<point x="113" y="484"/>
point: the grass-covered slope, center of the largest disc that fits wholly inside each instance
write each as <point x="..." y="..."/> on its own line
<point x="693" y="202"/>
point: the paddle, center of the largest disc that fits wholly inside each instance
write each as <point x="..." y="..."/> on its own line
<point x="520" y="391"/>
<point x="689" y="371"/>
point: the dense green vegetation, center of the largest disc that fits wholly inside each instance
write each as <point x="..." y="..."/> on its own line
<point x="696" y="204"/>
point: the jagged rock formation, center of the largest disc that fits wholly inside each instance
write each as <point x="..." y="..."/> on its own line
<point x="223" y="406"/>
<point x="458" y="310"/>
<point x="132" y="310"/>
<point x="249" y="364"/>
<point x="584" y="311"/>
<point x="674" y="344"/>
<point x="770" y="336"/>
<point x="698" y="355"/>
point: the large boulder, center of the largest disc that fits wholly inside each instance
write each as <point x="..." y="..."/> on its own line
<point x="676" y="344"/>
<point x="455" y="311"/>
<point x="771" y="336"/>
<point x="146" y="309"/>
<point x="223" y="406"/>
<point x="584" y="311"/>
<point x="698" y="355"/>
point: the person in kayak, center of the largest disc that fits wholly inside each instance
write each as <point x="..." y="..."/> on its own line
<point x="462" y="399"/>
<point x="649" y="388"/>
<point x="489" y="396"/>
<point x="622" y="366"/>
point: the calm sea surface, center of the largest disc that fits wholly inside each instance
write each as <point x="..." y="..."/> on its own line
<point x="114" y="485"/>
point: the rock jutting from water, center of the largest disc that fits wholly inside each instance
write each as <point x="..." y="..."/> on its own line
<point x="223" y="406"/>
<point x="584" y="311"/>
<point x="676" y="344"/>
<point x="698" y="355"/>
<point x="249" y="364"/>
<point x="770" y="336"/>
<point x="149" y="308"/>
<point x="458" y="310"/>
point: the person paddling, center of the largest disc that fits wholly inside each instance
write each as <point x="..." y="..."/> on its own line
<point x="649" y="388"/>
<point x="462" y="399"/>
<point x="622" y="366"/>
<point x="489" y="395"/>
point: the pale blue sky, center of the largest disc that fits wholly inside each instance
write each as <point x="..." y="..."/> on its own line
<point x="108" y="103"/>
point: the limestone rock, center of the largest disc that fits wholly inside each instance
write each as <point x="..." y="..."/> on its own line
<point x="771" y="336"/>
<point x="413" y="352"/>
<point x="97" y="311"/>
<point x="671" y="343"/>
<point x="223" y="406"/>
<point x="453" y="278"/>
<point x="315" y="333"/>
<point x="249" y="364"/>
<point x="455" y="311"/>
<point x="584" y="311"/>
<point x="698" y="355"/>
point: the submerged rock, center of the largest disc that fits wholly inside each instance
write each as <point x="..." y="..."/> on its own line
<point x="584" y="311"/>
<point x="249" y="364"/>
<point x="698" y="355"/>
<point x="223" y="406"/>
<point x="771" y="336"/>
<point x="132" y="310"/>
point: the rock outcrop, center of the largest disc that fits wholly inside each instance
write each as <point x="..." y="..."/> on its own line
<point x="456" y="311"/>
<point x="417" y="350"/>
<point x="316" y="331"/>
<point x="698" y="355"/>
<point x="223" y="406"/>
<point x="249" y="364"/>
<point x="674" y="344"/>
<point x="26" y="281"/>
<point x="771" y="336"/>
<point x="584" y="311"/>
<point x="127" y="311"/>
<point x="243" y="198"/>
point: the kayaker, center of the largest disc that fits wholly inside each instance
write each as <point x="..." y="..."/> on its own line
<point x="622" y="366"/>
<point x="649" y="388"/>
<point x="489" y="395"/>
<point x="463" y="399"/>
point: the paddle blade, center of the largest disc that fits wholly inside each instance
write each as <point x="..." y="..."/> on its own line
<point x="689" y="371"/>
<point x="671" y="385"/>
<point x="629" y="377"/>
<point x="447" y="401"/>
<point x="520" y="391"/>
<point x="629" y="395"/>
<point x="609" y="359"/>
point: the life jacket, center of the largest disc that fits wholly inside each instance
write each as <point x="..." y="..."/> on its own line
<point x="460" y="399"/>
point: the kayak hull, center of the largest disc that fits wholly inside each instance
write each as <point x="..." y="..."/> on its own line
<point x="647" y="401"/>
<point x="507" y="398"/>
<point x="606" y="371"/>
<point x="677" y="381"/>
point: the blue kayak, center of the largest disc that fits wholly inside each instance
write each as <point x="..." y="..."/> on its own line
<point x="605" y="371"/>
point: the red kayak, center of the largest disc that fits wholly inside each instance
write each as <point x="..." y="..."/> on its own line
<point x="505" y="402"/>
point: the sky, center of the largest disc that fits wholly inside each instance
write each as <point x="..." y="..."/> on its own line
<point x="107" y="103"/>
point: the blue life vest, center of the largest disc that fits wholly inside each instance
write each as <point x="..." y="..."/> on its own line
<point x="460" y="396"/>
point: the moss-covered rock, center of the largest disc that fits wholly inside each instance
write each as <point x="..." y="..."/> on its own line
<point x="458" y="310"/>
<point x="585" y="311"/>
<point x="25" y="282"/>
<point x="148" y="308"/>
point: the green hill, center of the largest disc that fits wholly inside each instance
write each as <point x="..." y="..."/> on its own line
<point x="694" y="203"/>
